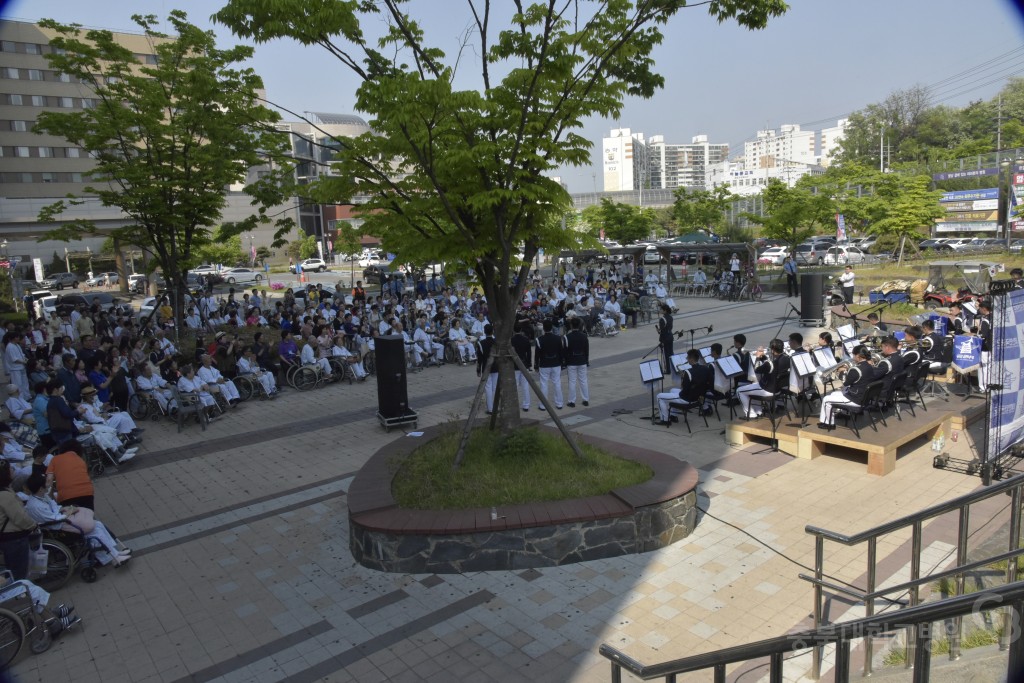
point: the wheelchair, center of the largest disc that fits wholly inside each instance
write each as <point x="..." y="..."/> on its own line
<point x="19" y="622"/>
<point x="340" y="370"/>
<point x="303" y="377"/>
<point x="144" y="405"/>
<point x="74" y="552"/>
<point x="249" y="386"/>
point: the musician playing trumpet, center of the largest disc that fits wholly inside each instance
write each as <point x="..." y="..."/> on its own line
<point x="913" y="344"/>
<point x="772" y="376"/>
<point x="890" y="365"/>
<point x="854" y="385"/>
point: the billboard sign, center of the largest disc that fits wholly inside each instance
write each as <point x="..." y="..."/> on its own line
<point x="970" y="195"/>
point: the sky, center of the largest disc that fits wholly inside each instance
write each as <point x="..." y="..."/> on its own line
<point x="822" y="60"/>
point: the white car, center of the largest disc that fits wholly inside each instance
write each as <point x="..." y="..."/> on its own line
<point x="311" y="264"/>
<point x="240" y="276"/>
<point x="369" y="260"/>
<point x="46" y="307"/>
<point x="774" y="255"/>
<point x="100" y="279"/>
<point x="843" y="255"/>
<point x="205" y="269"/>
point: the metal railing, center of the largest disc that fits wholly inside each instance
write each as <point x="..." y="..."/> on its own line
<point x="915" y="522"/>
<point x="915" y="619"/>
<point x="918" y="619"/>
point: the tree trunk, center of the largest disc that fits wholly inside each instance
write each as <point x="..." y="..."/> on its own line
<point x="122" y="270"/>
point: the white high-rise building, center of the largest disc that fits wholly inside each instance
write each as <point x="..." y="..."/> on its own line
<point x="772" y="148"/>
<point x="624" y="156"/>
<point x="744" y="181"/>
<point x="830" y="139"/>
<point x="699" y="155"/>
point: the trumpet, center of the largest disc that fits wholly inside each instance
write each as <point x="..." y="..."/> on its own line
<point x="924" y="343"/>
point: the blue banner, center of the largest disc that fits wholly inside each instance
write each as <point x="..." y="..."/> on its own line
<point x="970" y="195"/>
<point x="840" y="228"/>
<point x="966" y="353"/>
<point x="1006" y="422"/>
<point x="941" y="323"/>
<point x="973" y="173"/>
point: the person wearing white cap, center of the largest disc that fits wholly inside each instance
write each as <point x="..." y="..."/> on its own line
<point x="19" y="408"/>
<point x="91" y="411"/>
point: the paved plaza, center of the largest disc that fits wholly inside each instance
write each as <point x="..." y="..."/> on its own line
<point x="242" y="570"/>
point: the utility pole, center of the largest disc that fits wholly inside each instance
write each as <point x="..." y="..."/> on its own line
<point x="999" y="124"/>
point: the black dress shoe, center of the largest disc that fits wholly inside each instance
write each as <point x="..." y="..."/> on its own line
<point x="824" y="425"/>
<point x="571" y="404"/>
<point x="586" y="403"/>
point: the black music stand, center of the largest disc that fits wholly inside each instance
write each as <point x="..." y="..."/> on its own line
<point x="650" y="372"/>
<point x="732" y="371"/>
<point x="804" y="367"/>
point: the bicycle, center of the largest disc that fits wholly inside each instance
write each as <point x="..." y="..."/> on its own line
<point x="751" y="290"/>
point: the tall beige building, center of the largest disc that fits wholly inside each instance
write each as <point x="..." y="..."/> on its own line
<point x="42" y="166"/>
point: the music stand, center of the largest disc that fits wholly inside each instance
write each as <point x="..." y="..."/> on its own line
<point x="803" y="365"/>
<point x="826" y="360"/>
<point x="705" y="353"/>
<point x="650" y="372"/>
<point x="679" y="362"/>
<point x="732" y="371"/>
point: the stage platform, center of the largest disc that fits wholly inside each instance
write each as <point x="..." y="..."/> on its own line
<point x="879" y="448"/>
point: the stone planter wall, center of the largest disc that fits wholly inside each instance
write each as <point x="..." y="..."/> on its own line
<point x="634" y="519"/>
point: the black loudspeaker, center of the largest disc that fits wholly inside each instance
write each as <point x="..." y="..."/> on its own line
<point x="392" y="390"/>
<point x="812" y="294"/>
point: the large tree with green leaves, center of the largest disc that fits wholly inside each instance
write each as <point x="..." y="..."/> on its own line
<point x="167" y="138"/>
<point x="701" y="209"/>
<point x="792" y="214"/>
<point x="463" y="173"/>
<point x="905" y="206"/>
<point x="623" y="223"/>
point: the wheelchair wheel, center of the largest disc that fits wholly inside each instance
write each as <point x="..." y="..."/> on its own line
<point x="305" y="379"/>
<point x="12" y="635"/>
<point x="138" y="407"/>
<point x="244" y="386"/>
<point x="340" y="370"/>
<point x="59" y="566"/>
<point x="370" y="363"/>
<point x="88" y="574"/>
<point x="97" y="468"/>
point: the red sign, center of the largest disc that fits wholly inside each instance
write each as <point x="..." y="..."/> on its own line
<point x="1018" y="178"/>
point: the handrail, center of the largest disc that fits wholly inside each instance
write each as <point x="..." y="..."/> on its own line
<point x="1010" y="594"/>
<point x="942" y="508"/>
<point x="939" y="509"/>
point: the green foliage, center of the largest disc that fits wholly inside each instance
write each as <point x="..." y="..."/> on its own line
<point x="917" y="132"/>
<point x="167" y="138"/>
<point x="623" y="223"/>
<point x="701" y="209"/>
<point x="348" y="239"/>
<point x="221" y="249"/>
<point x="792" y="213"/>
<point x="308" y="248"/>
<point x="475" y="183"/>
<point x="526" y="466"/>
<point x="262" y="254"/>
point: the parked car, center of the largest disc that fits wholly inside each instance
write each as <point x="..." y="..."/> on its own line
<point x="309" y="264"/>
<point x="652" y="255"/>
<point x="960" y="243"/>
<point x="1016" y="246"/>
<point x="843" y="255"/>
<point x="46" y="307"/>
<point x="61" y="280"/>
<point x="240" y="276"/>
<point x="137" y="283"/>
<point x="774" y="255"/>
<point x="196" y="283"/>
<point x="100" y="279"/>
<point x="375" y="274"/>
<point x="811" y="253"/>
<point x="107" y="302"/>
<point x="371" y="259"/>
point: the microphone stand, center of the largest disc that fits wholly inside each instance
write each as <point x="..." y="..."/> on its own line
<point x="709" y="329"/>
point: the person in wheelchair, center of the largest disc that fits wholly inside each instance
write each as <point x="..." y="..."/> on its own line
<point x="122" y="423"/>
<point x="249" y="366"/>
<point x="189" y="383"/>
<point x="216" y="382"/>
<point x="308" y="357"/>
<point x="59" y="619"/>
<point x="339" y="351"/>
<point x="50" y="516"/>
<point x="157" y="387"/>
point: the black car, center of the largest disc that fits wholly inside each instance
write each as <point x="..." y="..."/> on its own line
<point x="107" y="302"/>
<point x="374" y="275"/>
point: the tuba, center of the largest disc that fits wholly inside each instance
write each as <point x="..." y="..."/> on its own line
<point x="821" y="376"/>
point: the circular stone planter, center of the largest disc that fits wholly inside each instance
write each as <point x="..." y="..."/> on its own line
<point x="634" y="519"/>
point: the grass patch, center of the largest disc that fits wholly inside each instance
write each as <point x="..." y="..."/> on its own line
<point x="979" y="637"/>
<point x="525" y="467"/>
<point x="897" y="310"/>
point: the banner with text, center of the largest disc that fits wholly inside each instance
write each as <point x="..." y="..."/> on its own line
<point x="1006" y="421"/>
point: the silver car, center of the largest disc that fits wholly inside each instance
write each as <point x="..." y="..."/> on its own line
<point x="836" y="256"/>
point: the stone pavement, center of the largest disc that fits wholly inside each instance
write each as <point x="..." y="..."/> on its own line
<point x="242" y="570"/>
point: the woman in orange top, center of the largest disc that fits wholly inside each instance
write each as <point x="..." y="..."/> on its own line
<point x="74" y="487"/>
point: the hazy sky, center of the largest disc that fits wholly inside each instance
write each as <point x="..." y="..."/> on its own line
<point x="822" y="60"/>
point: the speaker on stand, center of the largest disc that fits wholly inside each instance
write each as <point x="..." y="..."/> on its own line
<point x="392" y="390"/>
<point x="812" y="299"/>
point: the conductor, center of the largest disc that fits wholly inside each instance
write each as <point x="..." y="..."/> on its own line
<point x="665" y="336"/>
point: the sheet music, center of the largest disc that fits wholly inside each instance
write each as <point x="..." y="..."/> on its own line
<point x="970" y="307"/>
<point x="803" y="364"/>
<point x="650" y="371"/>
<point x="679" y="361"/>
<point x="846" y="331"/>
<point x="685" y="367"/>
<point x="706" y="355"/>
<point x="722" y="383"/>
<point x="730" y="368"/>
<point x="825" y="358"/>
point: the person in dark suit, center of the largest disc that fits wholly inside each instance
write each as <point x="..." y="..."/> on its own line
<point x="548" y="361"/>
<point x="665" y="337"/>
<point x="577" y="358"/>
<point x="486" y="362"/>
<point x="522" y="345"/>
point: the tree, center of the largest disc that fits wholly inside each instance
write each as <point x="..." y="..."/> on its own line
<point x="908" y="206"/>
<point x="464" y="174"/>
<point x="348" y="240"/>
<point x="701" y="209"/>
<point x="167" y="138"/>
<point x="221" y="249"/>
<point x="623" y="223"/>
<point x="792" y="213"/>
<point x="308" y="248"/>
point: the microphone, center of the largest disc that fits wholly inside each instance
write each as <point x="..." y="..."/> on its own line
<point x="795" y="310"/>
<point x="711" y="328"/>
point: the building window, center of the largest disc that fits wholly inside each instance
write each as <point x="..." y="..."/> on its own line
<point x="76" y="177"/>
<point x="88" y="103"/>
<point x="35" y="75"/>
<point x="63" y="78"/>
<point x="72" y="152"/>
<point x="19" y="126"/>
<point x="38" y="101"/>
<point x="67" y="102"/>
<point x="46" y="152"/>
<point x="14" y="99"/>
<point x="48" y="177"/>
<point x="31" y="49"/>
<point x="8" y="46"/>
<point x="11" y="72"/>
<point x="21" y="151"/>
<point x="26" y="178"/>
